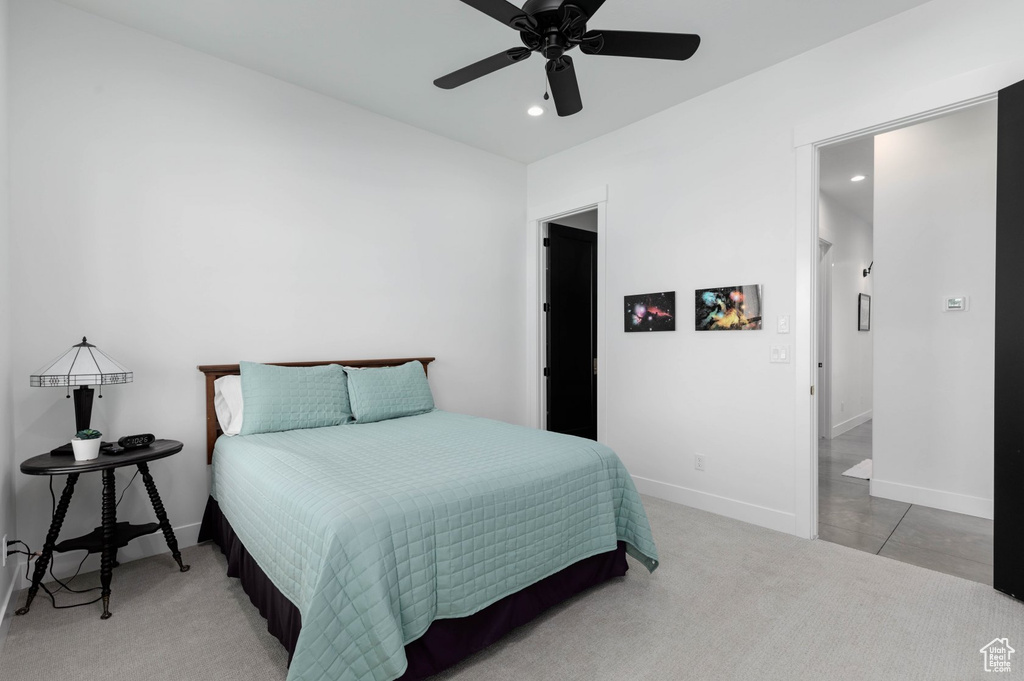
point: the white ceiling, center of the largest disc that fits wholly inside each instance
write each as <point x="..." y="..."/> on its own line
<point x="837" y="164"/>
<point x="384" y="56"/>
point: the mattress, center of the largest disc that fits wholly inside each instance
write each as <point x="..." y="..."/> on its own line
<point x="375" y="530"/>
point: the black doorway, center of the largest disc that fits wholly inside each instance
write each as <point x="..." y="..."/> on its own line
<point x="1008" y="538"/>
<point x="571" y="323"/>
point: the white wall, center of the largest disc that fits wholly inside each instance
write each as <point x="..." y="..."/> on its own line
<point x="935" y="236"/>
<point x="7" y="458"/>
<point x="851" y="364"/>
<point x="704" y="194"/>
<point x="586" y="221"/>
<point x="180" y="210"/>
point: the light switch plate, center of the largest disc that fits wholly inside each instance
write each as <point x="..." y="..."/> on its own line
<point x="779" y="354"/>
<point x="783" y="324"/>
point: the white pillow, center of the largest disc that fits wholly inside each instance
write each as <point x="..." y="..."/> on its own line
<point x="227" y="402"/>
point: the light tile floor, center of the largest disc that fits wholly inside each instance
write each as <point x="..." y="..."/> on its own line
<point x="947" y="542"/>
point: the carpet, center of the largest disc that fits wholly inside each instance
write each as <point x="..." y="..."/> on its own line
<point x="861" y="470"/>
<point x="730" y="601"/>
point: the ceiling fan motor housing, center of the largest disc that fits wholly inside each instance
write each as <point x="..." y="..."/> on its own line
<point x="536" y="7"/>
<point x="559" y="27"/>
<point x="552" y="44"/>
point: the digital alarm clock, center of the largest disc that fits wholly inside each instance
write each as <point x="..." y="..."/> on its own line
<point x="136" y="441"/>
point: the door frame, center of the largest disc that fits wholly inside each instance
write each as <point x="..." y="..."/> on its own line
<point x="823" y="302"/>
<point x="874" y="118"/>
<point x="536" y="329"/>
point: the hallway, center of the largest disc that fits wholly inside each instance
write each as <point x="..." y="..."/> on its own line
<point x="952" y="543"/>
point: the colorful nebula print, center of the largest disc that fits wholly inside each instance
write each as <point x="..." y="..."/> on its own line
<point x="651" y="312"/>
<point x="732" y="308"/>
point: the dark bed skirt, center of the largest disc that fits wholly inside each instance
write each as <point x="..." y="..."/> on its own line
<point x="447" y="641"/>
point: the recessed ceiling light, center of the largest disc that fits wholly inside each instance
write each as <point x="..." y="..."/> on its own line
<point x="535" y="110"/>
<point x="857" y="178"/>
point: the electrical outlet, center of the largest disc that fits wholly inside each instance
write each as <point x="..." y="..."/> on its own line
<point x="698" y="461"/>
<point x="4" y="545"/>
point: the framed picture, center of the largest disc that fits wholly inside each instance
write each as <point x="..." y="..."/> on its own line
<point x="863" y="312"/>
<point x="651" y="312"/>
<point x="730" y="308"/>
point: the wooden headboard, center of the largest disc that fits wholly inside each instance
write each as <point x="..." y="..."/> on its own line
<point x="215" y="371"/>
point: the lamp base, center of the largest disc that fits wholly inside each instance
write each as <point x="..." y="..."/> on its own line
<point x="83" y="407"/>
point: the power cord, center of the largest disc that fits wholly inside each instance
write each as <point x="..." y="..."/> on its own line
<point x="28" y="568"/>
<point x="17" y="541"/>
<point x="64" y="586"/>
<point x="35" y="554"/>
<point x="27" y="552"/>
<point x="126" y="488"/>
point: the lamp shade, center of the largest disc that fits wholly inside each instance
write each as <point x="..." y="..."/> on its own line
<point x="83" y="364"/>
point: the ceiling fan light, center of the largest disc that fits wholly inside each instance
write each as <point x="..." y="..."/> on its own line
<point x="535" y="110"/>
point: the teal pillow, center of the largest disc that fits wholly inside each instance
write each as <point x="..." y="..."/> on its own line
<point x="388" y="392"/>
<point x="288" y="398"/>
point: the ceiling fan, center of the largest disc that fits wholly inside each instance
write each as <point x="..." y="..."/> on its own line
<point x="553" y="27"/>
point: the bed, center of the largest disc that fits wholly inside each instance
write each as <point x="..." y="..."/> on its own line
<point x="393" y="549"/>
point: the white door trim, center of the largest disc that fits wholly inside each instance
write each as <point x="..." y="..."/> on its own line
<point x="536" y="230"/>
<point x="888" y="113"/>
<point x="823" y="342"/>
<point x="805" y="516"/>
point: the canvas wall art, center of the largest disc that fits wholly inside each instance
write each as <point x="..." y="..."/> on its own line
<point x="730" y="308"/>
<point x="651" y="312"/>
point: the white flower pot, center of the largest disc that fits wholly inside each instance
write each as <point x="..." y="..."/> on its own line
<point x="86" y="450"/>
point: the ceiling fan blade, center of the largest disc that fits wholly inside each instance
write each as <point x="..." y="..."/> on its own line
<point x="678" y="46"/>
<point x="506" y="13"/>
<point x="565" y="89"/>
<point x="482" y="68"/>
<point x="589" y="7"/>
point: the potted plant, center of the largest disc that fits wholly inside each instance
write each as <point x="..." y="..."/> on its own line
<point x="86" y="444"/>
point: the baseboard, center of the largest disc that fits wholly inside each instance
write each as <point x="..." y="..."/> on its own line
<point x="730" y="508"/>
<point x="850" y="424"/>
<point x="7" y="610"/>
<point x="66" y="564"/>
<point x="947" y="501"/>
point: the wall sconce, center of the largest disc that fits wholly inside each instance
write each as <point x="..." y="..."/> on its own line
<point x="868" y="270"/>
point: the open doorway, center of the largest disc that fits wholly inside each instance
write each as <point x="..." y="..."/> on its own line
<point x="570" y="322"/>
<point x="905" y="467"/>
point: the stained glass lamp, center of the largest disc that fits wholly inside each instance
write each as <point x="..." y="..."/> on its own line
<point x="83" y="365"/>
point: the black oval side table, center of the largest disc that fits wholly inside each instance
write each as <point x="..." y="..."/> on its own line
<point x="110" y="535"/>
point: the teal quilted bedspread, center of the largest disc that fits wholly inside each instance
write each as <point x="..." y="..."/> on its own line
<point x="375" y="530"/>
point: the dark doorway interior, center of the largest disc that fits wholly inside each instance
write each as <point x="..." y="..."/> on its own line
<point x="1009" y="399"/>
<point x="571" y="314"/>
